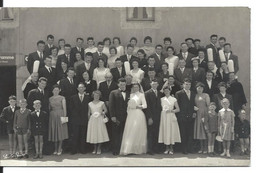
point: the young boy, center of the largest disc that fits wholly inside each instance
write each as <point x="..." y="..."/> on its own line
<point x="7" y="116"/>
<point x="22" y="128"/>
<point x="39" y="125"/>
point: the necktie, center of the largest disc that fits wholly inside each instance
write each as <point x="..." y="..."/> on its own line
<point x="108" y="84"/>
<point x="12" y="109"/>
<point x="182" y="70"/>
<point x="88" y="66"/>
<point x="81" y="98"/>
<point x="41" y="56"/>
<point x="50" y="70"/>
<point x="42" y="92"/>
<point x="120" y="71"/>
<point x="155" y="92"/>
<point x="100" y="54"/>
<point x="71" y="81"/>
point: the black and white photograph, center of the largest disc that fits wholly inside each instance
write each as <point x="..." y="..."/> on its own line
<point x="125" y="86"/>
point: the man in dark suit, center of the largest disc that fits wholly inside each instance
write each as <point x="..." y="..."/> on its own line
<point x="184" y="54"/>
<point x="78" y="48"/>
<point x="99" y="54"/>
<point x="49" y="73"/>
<point x="129" y="55"/>
<point x="210" y="85"/>
<point x="146" y="82"/>
<point x="151" y="64"/>
<point x="118" y="106"/>
<point x="186" y="101"/>
<point x="181" y="73"/>
<point x="198" y="73"/>
<point x="49" y="45"/>
<point x="213" y="46"/>
<point x="230" y="56"/>
<point x="38" y="55"/>
<point x="88" y="66"/>
<point x="158" y="56"/>
<point x="79" y="119"/>
<point x="221" y="43"/>
<point x="119" y="71"/>
<point x="153" y="114"/>
<point x="66" y="57"/>
<point x="32" y="84"/>
<point x="91" y="85"/>
<point x="191" y="48"/>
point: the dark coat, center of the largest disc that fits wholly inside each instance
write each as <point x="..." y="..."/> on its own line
<point x="124" y="59"/>
<point x="116" y="75"/>
<point x="215" y="54"/>
<point x="51" y="77"/>
<point x="146" y="83"/>
<point x="96" y="57"/>
<point x="64" y="58"/>
<point x="105" y="90"/>
<point x="188" y="59"/>
<point x="68" y="89"/>
<point x="7" y="116"/>
<point x="39" y="125"/>
<point x="90" y="87"/>
<point x="33" y="57"/>
<point x="74" y="50"/>
<point x="28" y="88"/>
<point x="154" y="107"/>
<point x="82" y="68"/>
<point x="211" y="91"/>
<point x="79" y="110"/>
<point x="218" y="98"/>
<point x="179" y="76"/>
<point x="35" y="94"/>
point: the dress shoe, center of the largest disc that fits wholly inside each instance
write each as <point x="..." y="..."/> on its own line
<point x="36" y="156"/>
<point x="115" y="153"/>
<point x="73" y="153"/>
<point x="150" y="153"/>
<point x="184" y="152"/>
<point x="40" y="156"/>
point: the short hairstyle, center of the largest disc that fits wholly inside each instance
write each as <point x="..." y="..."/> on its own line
<point x="209" y="71"/>
<point x="154" y="80"/>
<point x="151" y="57"/>
<point x="79" y="38"/>
<point x="202" y="50"/>
<point x="151" y="69"/>
<point x="12" y="97"/>
<point x="121" y="80"/>
<point x="128" y="75"/>
<point x="133" y="38"/>
<point x="100" y="43"/>
<point x="37" y="102"/>
<point x="40" y="42"/>
<point x="184" y="43"/>
<point x="55" y="86"/>
<point x="196" y="40"/>
<point x="165" y="63"/>
<point x="135" y="60"/>
<point x="100" y="59"/>
<point x="71" y="68"/>
<point x="222" y="84"/>
<point x="50" y="36"/>
<point x="113" y="47"/>
<point x="187" y="80"/>
<point x="85" y="72"/>
<point x="107" y="39"/>
<point x="200" y="84"/>
<point x="89" y="54"/>
<point x="213" y="35"/>
<point x="148" y="38"/>
<point x="42" y="79"/>
<point x="67" y="45"/>
<point x="189" y="39"/>
<point x="77" y="52"/>
<point x="240" y="111"/>
<point x="227" y="44"/>
<point x="158" y="45"/>
<point x="90" y="38"/>
<point x="81" y="83"/>
<point x="119" y="59"/>
<point x="47" y="57"/>
<point x="129" y="45"/>
<point x="225" y="100"/>
<point x="52" y="48"/>
<point x="171" y="76"/>
<point x="136" y="83"/>
<point x="166" y="88"/>
<point x="117" y="39"/>
<point x="170" y="47"/>
<point x="96" y="92"/>
<point x="222" y="38"/>
<point x="62" y="39"/>
<point x="142" y="52"/>
<point x="212" y="104"/>
<point x="23" y="101"/>
<point x="167" y="39"/>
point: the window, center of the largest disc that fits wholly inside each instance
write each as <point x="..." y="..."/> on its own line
<point x="6" y="14"/>
<point x="140" y="14"/>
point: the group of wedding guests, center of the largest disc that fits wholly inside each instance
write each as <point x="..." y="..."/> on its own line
<point x="131" y="99"/>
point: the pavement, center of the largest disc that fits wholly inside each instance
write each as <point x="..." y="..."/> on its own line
<point x="107" y="159"/>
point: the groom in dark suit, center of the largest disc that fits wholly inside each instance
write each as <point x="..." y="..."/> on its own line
<point x="186" y="101"/>
<point x="153" y="116"/>
<point x="118" y="106"/>
<point x="79" y="119"/>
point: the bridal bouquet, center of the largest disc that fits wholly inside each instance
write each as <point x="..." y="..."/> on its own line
<point x="132" y="104"/>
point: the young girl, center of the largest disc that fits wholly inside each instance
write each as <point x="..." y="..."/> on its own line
<point x="97" y="132"/>
<point x="169" y="130"/>
<point x="243" y="130"/>
<point x="39" y="125"/>
<point x="22" y="128"/>
<point x="7" y="116"/>
<point x="211" y="127"/>
<point x="226" y="121"/>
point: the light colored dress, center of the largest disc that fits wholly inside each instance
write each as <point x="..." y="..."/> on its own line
<point x="61" y="52"/>
<point x="134" y="139"/>
<point x="106" y="51"/>
<point x="137" y="75"/>
<point x="99" y="75"/>
<point x="97" y="131"/>
<point x="174" y="60"/>
<point x="91" y="49"/>
<point x="226" y="124"/>
<point x="148" y="50"/>
<point x="199" y="127"/>
<point x="57" y="130"/>
<point x="120" y="50"/>
<point x="112" y="61"/>
<point x="169" y="132"/>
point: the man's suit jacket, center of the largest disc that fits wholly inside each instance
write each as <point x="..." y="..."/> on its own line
<point x="96" y="57"/>
<point x="105" y="90"/>
<point x="91" y="86"/>
<point x="79" y="110"/>
<point x="7" y="116"/>
<point x="47" y="50"/>
<point x="221" y="78"/>
<point x="64" y="58"/>
<point x="157" y="60"/>
<point x="204" y="64"/>
<point x="156" y="68"/>
<point x="28" y="88"/>
<point x="215" y="54"/>
<point x="74" y="50"/>
<point x="218" y="98"/>
<point x="33" y="57"/>
<point x="39" y="124"/>
<point x="118" y="106"/>
<point x="198" y="76"/>
<point x="82" y="68"/>
<point x="146" y="83"/>
<point x="235" y="60"/>
<point x="68" y="89"/>
<point x="193" y="51"/>
<point x="211" y="91"/>
<point x="35" y="94"/>
<point x="179" y="76"/>
<point x="186" y="105"/>
<point x="116" y="75"/>
<point x="154" y="107"/>
<point x="188" y="59"/>
<point x="124" y="59"/>
<point x="51" y="77"/>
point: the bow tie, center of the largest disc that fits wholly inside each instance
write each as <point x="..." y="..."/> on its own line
<point x="122" y="91"/>
<point x="37" y="111"/>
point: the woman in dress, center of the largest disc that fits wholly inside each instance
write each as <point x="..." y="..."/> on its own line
<point x="58" y="130"/>
<point x="164" y="74"/>
<point x="136" y="72"/>
<point x="54" y="56"/>
<point x="91" y="45"/>
<point x="107" y="43"/>
<point x="148" y="48"/>
<point x="171" y="57"/>
<point x="63" y="71"/>
<point x="61" y="44"/>
<point x="133" y="42"/>
<point x="117" y="44"/>
<point x="169" y="132"/>
<point x="112" y="58"/>
<point x="142" y="57"/>
<point x="134" y="139"/>
<point x="90" y="85"/>
<point x="79" y="60"/>
<point x="97" y="131"/>
<point x="100" y="72"/>
<point x="202" y="102"/>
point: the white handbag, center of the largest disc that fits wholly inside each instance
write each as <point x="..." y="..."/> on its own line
<point x="64" y="120"/>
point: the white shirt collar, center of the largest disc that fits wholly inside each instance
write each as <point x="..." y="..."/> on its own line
<point x="81" y="94"/>
<point x="39" y="53"/>
<point x="224" y="95"/>
<point x="222" y="110"/>
<point x="195" y="68"/>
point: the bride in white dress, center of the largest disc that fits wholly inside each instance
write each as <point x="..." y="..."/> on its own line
<point x="134" y="139"/>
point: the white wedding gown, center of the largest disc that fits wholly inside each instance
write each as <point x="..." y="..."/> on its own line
<point x="134" y="139"/>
